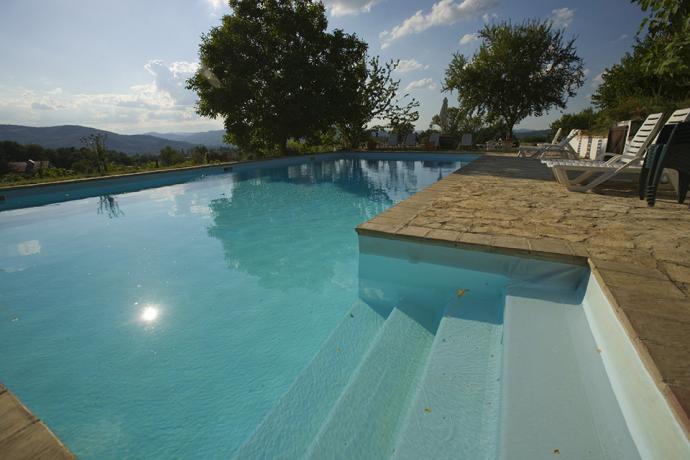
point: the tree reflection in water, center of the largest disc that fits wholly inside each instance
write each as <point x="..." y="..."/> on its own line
<point x="290" y="236"/>
<point x="107" y="204"/>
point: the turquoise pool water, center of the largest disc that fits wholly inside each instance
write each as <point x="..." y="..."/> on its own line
<point x="168" y="322"/>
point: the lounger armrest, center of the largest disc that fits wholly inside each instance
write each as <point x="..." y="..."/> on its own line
<point x="613" y="159"/>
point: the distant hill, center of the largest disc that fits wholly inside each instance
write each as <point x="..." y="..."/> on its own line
<point x="208" y="138"/>
<point x="70" y="136"/>
<point x="523" y="133"/>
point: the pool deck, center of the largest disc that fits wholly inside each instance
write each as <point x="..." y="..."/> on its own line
<point x="23" y="436"/>
<point x="640" y="255"/>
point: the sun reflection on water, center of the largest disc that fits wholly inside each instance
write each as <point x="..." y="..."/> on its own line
<point x="150" y="313"/>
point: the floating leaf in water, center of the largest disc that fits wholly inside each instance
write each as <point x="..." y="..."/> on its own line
<point x="337" y="349"/>
<point x="461" y="292"/>
<point x="557" y="451"/>
<point x="427" y="410"/>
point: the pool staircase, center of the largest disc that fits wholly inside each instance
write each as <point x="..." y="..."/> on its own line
<point x="404" y="382"/>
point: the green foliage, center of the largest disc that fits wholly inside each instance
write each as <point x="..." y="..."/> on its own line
<point x="96" y="143"/>
<point x="587" y="119"/>
<point x="200" y="155"/>
<point x="655" y="75"/>
<point x="668" y="28"/>
<point x="270" y="69"/>
<point x="519" y="71"/>
<point x="169" y="156"/>
<point x="373" y="94"/>
<point x="273" y="72"/>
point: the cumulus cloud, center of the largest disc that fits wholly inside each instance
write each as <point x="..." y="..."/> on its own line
<point x="163" y="103"/>
<point x="424" y="83"/>
<point x="598" y="80"/>
<point x="41" y="106"/>
<point x="409" y="65"/>
<point x="562" y="17"/>
<point x="171" y="79"/>
<point x="349" y="7"/>
<point x="216" y="4"/>
<point x="487" y="18"/>
<point x="444" y="12"/>
<point x="468" y="38"/>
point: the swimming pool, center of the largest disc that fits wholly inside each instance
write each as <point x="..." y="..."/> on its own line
<point x="237" y="314"/>
<point x="167" y="322"/>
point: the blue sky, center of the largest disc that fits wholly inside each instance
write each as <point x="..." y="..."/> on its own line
<point x="121" y="65"/>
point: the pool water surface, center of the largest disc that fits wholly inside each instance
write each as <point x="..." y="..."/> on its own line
<point x="168" y="322"/>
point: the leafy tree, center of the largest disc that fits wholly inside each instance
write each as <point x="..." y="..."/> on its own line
<point x="200" y="154"/>
<point x="169" y="156"/>
<point x="270" y="71"/>
<point x="587" y="119"/>
<point x="273" y="72"/>
<point x="668" y="27"/>
<point x="373" y="94"/>
<point x="96" y="144"/>
<point x="519" y="71"/>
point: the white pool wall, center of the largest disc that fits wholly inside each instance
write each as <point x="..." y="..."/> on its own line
<point x="654" y="428"/>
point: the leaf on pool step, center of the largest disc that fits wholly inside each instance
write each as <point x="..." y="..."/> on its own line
<point x="461" y="292"/>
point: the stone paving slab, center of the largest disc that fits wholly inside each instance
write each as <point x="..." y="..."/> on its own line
<point x="23" y="436"/>
<point x="640" y="255"/>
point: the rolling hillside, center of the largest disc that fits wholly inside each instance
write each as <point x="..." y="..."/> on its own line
<point x="70" y="136"/>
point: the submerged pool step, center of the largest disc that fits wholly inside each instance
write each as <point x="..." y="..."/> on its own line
<point x="291" y="426"/>
<point x="455" y="411"/>
<point x="364" y="422"/>
<point x="556" y="396"/>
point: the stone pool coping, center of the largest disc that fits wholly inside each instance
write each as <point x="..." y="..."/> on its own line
<point x="639" y="255"/>
<point x="23" y="436"/>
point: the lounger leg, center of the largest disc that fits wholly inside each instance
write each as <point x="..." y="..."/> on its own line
<point x="655" y="177"/>
<point x="683" y="184"/>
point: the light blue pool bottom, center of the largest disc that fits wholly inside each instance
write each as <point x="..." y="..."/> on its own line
<point x="444" y="375"/>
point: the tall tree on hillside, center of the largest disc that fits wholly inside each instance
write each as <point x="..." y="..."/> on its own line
<point x="519" y="71"/>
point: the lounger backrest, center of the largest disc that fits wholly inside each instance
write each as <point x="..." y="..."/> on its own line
<point x="637" y="146"/>
<point x="679" y="116"/>
<point x="557" y="136"/>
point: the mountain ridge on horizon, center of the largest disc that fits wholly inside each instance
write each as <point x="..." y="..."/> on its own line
<point x="66" y="136"/>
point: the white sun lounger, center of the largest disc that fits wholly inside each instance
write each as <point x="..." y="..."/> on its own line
<point x="594" y="173"/>
<point x="555" y="139"/>
<point x="562" y="147"/>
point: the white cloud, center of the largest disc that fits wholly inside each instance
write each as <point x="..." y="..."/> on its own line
<point x="562" y="17"/>
<point x="409" y="65"/>
<point x="586" y="72"/>
<point x="41" y="106"/>
<point x="216" y="4"/>
<point x="598" y="80"/>
<point x="424" y="83"/>
<point x="444" y="12"/>
<point x="349" y="7"/>
<point x="486" y="17"/>
<point x="468" y="38"/>
<point x="171" y="79"/>
<point x="163" y="103"/>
